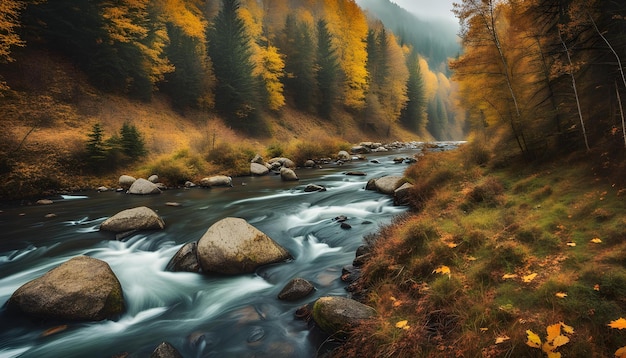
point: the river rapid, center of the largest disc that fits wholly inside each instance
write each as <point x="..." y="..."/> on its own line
<point x="201" y="316"/>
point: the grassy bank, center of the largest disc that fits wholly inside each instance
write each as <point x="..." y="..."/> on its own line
<point x="499" y="250"/>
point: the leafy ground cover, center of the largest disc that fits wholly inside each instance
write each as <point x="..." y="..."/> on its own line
<point x="501" y="258"/>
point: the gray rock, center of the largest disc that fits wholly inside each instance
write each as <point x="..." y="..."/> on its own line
<point x="344" y="156"/>
<point x="143" y="187"/>
<point x="165" y="350"/>
<point x="287" y="174"/>
<point x="216" y="180"/>
<point x="296" y="289"/>
<point x="356" y="173"/>
<point x="81" y="289"/>
<point x="161" y="186"/>
<point x="258" y="169"/>
<point x="401" y="195"/>
<point x="359" y="149"/>
<point x="125" y="181"/>
<point x="232" y="246"/>
<point x="284" y="162"/>
<point x="388" y="184"/>
<point x="190" y="184"/>
<point x="337" y="316"/>
<point x="141" y="218"/>
<point x="398" y="160"/>
<point x="309" y="164"/>
<point x="313" y="188"/>
<point x="153" y="178"/>
<point x="102" y="189"/>
<point x="44" y="202"/>
<point x="371" y="184"/>
<point x="185" y="260"/>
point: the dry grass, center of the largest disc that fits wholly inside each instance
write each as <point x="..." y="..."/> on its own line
<point x="485" y="222"/>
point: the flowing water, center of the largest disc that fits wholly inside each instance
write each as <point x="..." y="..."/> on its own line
<point x="202" y="316"/>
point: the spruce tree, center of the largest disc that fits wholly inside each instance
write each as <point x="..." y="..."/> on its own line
<point x="327" y="70"/>
<point x="412" y="116"/>
<point x="131" y="141"/>
<point x="296" y="43"/>
<point x="96" y="149"/>
<point x="236" y="90"/>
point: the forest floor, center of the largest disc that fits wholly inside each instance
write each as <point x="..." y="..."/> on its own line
<point x="501" y="258"/>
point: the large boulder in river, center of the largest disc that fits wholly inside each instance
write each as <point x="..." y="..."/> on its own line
<point x="401" y="195"/>
<point x="258" y="169"/>
<point x="143" y="187"/>
<point x="232" y="246"/>
<point x="337" y="316"/>
<point x="216" y="180"/>
<point x="386" y="185"/>
<point x="141" y="218"/>
<point x="81" y="289"/>
<point x="125" y="181"/>
<point x="287" y="174"/>
<point x="344" y="156"/>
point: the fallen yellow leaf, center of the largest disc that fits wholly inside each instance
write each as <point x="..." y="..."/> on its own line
<point x="553" y="354"/>
<point x="596" y="240"/>
<point x="560" y="341"/>
<point x="403" y="324"/>
<point x="529" y="278"/>
<point x="509" y="276"/>
<point x="567" y="329"/>
<point x="397" y="303"/>
<point x="484" y="329"/>
<point x="572" y="244"/>
<point x="452" y="245"/>
<point x="502" y="339"/>
<point x="533" y="339"/>
<point x="471" y="258"/>
<point x="621" y="353"/>
<point x="393" y="299"/>
<point x="618" y="323"/>
<point x="553" y="332"/>
<point x="444" y="270"/>
<point x="547" y="347"/>
<point x="561" y="294"/>
<point x="596" y="287"/>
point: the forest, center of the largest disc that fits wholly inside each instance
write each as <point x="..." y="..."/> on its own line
<point x="240" y="59"/>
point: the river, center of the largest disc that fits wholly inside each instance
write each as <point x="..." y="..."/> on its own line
<point x="201" y="316"/>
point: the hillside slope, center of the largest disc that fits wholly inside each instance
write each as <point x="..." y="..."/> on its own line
<point x="51" y="109"/>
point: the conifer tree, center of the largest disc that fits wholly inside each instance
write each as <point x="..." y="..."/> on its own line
<point x="327" y="70"/>
<point x="412" y="116"/>
<point x="131" y="141"/>
<point x="96" y="149"/>
<point x="236" y="89"/>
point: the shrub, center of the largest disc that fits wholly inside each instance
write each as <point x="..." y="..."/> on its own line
<point x="234" y="160"/>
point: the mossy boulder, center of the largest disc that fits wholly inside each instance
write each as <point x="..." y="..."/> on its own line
<point x="337" y="316"/>
<point x="81" y="289"/>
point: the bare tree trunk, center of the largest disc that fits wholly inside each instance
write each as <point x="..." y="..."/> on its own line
<point x="571" y="72"/>
<point x="621" y="71"/>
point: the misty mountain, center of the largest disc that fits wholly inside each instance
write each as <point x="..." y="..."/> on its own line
<point x="435" y="39"/>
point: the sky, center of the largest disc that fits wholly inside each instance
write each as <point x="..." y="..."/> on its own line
<point x="429" y="8"/>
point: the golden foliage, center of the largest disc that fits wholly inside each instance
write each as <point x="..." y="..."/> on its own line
<point x="9" y="22"/>
<point x="618" y="323"/>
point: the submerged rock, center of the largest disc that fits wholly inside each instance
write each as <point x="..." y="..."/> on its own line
<point x="165" y="350"/>
<point x="81" y="289"/>
<point x="296" y="289"/>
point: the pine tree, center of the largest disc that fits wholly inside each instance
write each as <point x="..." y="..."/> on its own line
<point x="296" y="43"/>
<point x="236" y="90"/>
<point x="131" y="141"/>
<point x="327" y="70"/>
<point x="96" y="149"/>
<point x="412" y="116"/>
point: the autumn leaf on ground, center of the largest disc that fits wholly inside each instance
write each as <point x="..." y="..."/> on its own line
<point x="403" y="324"/>
<point x="560" y="341"/>
<point x="397" y="303"/>
<point x="619" y="323"/>
<point x="572" y="244"/>
<point x="561" y="294"/>
<point x="452" y="245"/>
<point x="596" y="287"/>
<point x="471" y="258"/>
<point x="553" y="355"/>
<point x="529" y="278"/>
<point x="533" y="339"/>
<point x="596" y="240"/>
<point x="484" y="329"/>
<point x="508" y="276"/>
<point x="502" y="339"/>
<point x="567" y="329"/>
<point x="444" y="270"/>
<point x="621" y="353"/>
<point x="553" y="332"/>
